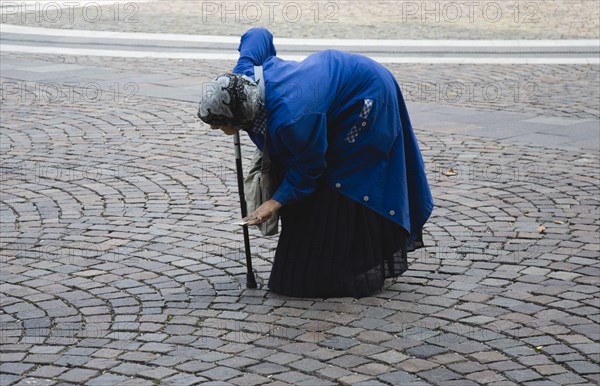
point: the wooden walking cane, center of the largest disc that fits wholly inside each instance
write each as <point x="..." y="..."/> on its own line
<point x="250" y="279"/>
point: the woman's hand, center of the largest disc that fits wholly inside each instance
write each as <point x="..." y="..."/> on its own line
<point x="262" y="213"/>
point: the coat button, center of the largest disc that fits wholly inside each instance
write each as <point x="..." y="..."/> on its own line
<point x="366" y="198"/>
<point x="338" y="185"/>
<point x="392" y="213"/>
<point x="363" y="124"/>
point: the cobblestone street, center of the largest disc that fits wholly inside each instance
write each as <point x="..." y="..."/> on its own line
<point x="120" y="263"/>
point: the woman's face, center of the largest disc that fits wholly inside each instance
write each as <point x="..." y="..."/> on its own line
<point x="228" y="130"/>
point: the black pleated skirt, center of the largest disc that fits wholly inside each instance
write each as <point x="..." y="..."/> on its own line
<point x="331" y="246"/>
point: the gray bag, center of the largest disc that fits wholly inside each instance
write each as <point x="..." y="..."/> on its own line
<point x="258" y="185"/>
<point x="258" y="190"/>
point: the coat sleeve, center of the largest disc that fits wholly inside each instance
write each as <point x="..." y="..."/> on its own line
<point x="256" y="46"/>
<point x="305" y="141"/>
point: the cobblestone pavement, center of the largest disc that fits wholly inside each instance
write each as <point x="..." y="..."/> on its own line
<point x="120" y="265"/>
<point x="392" y="19"/>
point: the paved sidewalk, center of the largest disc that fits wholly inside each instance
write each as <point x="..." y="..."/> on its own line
<point x="119" y="264"/>
<point x="348" y="19"/>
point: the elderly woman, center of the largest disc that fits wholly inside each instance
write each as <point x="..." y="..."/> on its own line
<point x="353" y="192"/>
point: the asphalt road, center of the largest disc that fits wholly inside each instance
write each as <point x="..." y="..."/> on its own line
<point x="103" y="43"/>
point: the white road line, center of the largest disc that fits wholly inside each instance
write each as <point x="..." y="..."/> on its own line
<point x="232" y="56"/>
<point x="15" y="29"/>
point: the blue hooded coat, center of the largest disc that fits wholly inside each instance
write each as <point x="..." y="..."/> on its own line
<point x="339" y="118"/>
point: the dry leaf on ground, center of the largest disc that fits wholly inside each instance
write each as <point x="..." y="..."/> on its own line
<point x="450" y="172"/>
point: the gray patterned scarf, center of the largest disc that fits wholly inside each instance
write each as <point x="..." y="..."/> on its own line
<point x="229" y="100"/>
